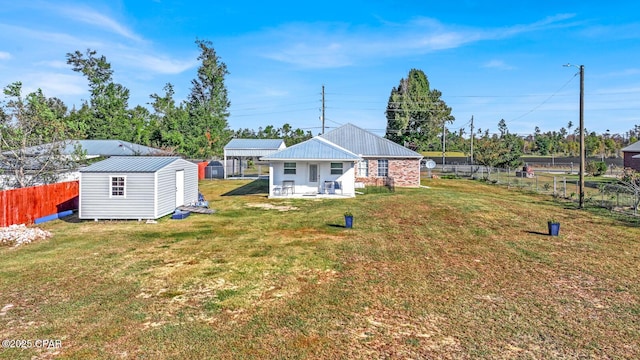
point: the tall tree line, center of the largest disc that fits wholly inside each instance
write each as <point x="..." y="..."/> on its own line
<point x="196" y="127"/>
<point x="417" y="117"/>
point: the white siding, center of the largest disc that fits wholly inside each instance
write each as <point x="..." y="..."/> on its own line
<point x="95" y="202"/>
<point x="301" y="178"/>
<point x="149" y="195"/>
<point x="167" y="186"/>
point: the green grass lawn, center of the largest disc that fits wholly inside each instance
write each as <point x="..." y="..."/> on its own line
<point x="457" y="270"/>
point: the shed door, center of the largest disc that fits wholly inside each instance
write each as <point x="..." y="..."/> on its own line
<point x="179" y="188"/>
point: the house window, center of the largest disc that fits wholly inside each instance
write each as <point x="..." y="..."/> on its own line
<point x="336" y="168"/>
<point x="118" y="186"/>
<point x="363" y="168"/>
<point x="290" y="168"/>
<point x="383" y="168"/>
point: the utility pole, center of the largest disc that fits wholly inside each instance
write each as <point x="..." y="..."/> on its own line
<point x="582" y="153"/>
<point x="471" y="139"/>
<point x="322" y="115"/>
<point x="581" y="204"/>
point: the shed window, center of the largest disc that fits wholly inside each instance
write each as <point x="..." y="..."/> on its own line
<point x="118" y="186"/>
<point x="290" y="168"/>
<point x="336" y="168"/>
<point x="383" y="168"/>
<point x="363" y="168"/>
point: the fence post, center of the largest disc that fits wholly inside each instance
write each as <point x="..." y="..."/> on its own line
<point x="564" y="186"/>
<point x="536" y="183"/>
<point x="554" y="186"/>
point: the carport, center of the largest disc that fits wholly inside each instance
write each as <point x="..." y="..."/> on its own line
<point x="238" y="152"/>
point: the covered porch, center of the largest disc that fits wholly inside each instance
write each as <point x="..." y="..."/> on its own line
<point x="314" y="168"/>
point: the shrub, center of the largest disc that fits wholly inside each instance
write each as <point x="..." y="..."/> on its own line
<point x="596" y="168"/>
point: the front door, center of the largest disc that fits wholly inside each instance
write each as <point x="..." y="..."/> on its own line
<point x="179" y="188"/>
<point x="313" y="174"/>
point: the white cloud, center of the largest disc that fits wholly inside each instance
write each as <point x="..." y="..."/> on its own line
<point x="497" y="64"/>
<point x="94" y="18"/>
<point x="335" y="45"/>
<point x="55" y="84"/>
<point x="4" y="55"/>
<point x="54" y="64"/>
<point x="47" y="37"/>
<point x="158" y="64"/>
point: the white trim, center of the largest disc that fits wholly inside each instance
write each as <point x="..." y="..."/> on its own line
<point x="124" y="186"/>
<point x="365" y="168"/>
<point x="317" y="180"/>
<point x="80" y="197"/>
<point x="378" y="168"/>
<point x="179" y="192"/>
<point x="155" y="194"/>
<point x="341" y="168"/>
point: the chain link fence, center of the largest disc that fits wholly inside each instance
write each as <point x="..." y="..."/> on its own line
<point x="604" y="192"/>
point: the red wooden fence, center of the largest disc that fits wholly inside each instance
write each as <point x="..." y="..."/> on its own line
<point x="24" y="206"/>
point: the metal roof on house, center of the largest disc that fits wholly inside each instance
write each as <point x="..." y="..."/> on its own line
<point x="635" y="147"/>
<point x="95" y="148"/>
<point x="253" y="147"/>
<point x="130" y="164"/>
<point x="313" y="149"/>
<point x="367" y="144"/>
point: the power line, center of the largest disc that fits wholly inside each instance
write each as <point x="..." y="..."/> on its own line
<point x="547" y="99"/>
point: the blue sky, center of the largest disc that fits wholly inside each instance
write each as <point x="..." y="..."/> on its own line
<point x="490" y="59"/>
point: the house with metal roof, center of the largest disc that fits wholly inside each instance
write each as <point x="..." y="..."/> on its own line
<point x="238" y="152"/>
<point x="631" y="155"/>
<point x="383" y="161"/>
<point x="65" y="157"/>
<point x="95" y="148"/>
<point x="310" y="168"/>
<point x="136" y="187"/>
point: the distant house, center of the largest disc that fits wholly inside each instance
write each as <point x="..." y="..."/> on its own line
<point x="383" y="161"/>
<point x="136" y="187"/>
<point x="340" y="160"/>
<point x="238" y="151"/>
<point x="631" y="155"/>
<point x="64" y="158"/>
<point x="315" y="166"/>
<point x="97" y="148"/>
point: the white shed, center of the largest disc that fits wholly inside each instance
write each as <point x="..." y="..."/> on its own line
<point x="136" y="187"/>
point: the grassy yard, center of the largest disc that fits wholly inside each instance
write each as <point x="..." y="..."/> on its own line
<point x="457" y="270"/>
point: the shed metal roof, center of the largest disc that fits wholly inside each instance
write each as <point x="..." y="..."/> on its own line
<point x="314" y="149"/>
<point x="130" y="164"/>
<point x="367" y="144"/>
<point x="254" y="144"/>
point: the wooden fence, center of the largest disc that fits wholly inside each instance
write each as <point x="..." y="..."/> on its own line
<point x="24" y="206"/>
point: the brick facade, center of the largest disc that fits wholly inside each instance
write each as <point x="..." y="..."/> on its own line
<point x="402" y="173"/>
<point x="630" y="162"/>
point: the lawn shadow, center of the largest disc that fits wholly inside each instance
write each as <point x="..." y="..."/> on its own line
<point x="337" y="226"/>
<point x="72" y="219"/>
<point x="537" y="233"/>
<point x="259" y="186"/>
